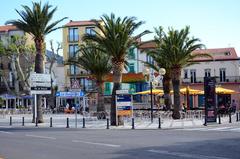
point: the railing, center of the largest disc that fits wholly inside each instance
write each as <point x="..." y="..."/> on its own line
<point x="78" y="72"/>
<point x="74" y="38"/>
<point x="227" y="79"/>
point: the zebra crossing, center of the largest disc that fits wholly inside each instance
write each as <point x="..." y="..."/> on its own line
<point x="224" y="129"/>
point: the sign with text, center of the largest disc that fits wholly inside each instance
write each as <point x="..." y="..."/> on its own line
<point x="70" y="94"/>
<point x="210" y="99"/>
<point x="124" y="105"/>
<point x="40" y="83"/>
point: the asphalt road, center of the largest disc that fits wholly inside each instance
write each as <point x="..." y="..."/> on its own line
<point x="59" y="143"/>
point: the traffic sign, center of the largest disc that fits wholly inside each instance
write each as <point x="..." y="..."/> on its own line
<point x="70" y="94"/>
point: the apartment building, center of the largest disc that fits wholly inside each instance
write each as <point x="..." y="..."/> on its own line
<point x="7" y="32"/>
<point x="224" y="65"/>
<point x="72" y="38"/>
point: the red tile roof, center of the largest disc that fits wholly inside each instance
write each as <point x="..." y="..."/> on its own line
<point x="147" y="45"/>
<point x="217" y="54"/>
<point x="7" y="28"/>
<point x="80" y="23"/>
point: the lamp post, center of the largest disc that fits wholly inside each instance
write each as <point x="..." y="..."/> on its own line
<point x="146" y="71"/>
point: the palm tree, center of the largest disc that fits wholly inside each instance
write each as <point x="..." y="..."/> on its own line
<point x="160" y="62"/>
<point x="116" y="37"/>
<point x="37" y="22"/>
<point x="177" y="48"/>
<point x="98" y="64"/>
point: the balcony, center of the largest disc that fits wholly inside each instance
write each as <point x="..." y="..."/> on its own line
<point x="78" y="73"/>
<point x="228" y="79"/>
<point x="73" y="39"/>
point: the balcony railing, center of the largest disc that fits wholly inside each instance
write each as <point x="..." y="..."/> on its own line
<point x="78" y="72"/>
<point x="74" y="38"/>
<point x="227" y="79"/>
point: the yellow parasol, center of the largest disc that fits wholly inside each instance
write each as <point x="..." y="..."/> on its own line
<point x="220" y="90"/>
<point x="154" y="91"/>
<point x="190" y="90"/>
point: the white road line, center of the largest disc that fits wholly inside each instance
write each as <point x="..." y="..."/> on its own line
<point x="95" y="143"/>
<point x="6" y="132"/>
<point x="41" y="137"/>
<point x="220" y="128"/>
<point x="193" y="129"/>
<point x="185" y="155"/>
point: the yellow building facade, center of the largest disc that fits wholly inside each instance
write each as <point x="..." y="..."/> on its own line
<point x="72" y="38"/>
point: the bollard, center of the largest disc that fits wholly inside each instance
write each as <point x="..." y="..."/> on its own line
<point x="67" y="123"/>
<point x="219" y="118"/>
<point x="107" y="123"/>
<point x="36" y="122"/>
<point x="10" y="123"/>
<point x="83" y="123"/>
<point x="237" y="117"/>
<point x="133" y="126"/>
<point x="230" y="118"/>
<point x="159" y="123"/>
<point x="22" y="121"/>
<point x="50" y="122"/>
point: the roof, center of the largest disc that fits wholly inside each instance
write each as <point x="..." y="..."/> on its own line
<point x="147" y="45"/>
<point x="218" y="54"/>
<point x="7" y="28"/>
<point x="80" y="23"/>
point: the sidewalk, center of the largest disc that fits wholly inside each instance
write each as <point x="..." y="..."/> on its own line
<point x="60" y="121"/>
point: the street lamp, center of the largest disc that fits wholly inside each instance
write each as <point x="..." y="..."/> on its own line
<point x="150" y="72"/>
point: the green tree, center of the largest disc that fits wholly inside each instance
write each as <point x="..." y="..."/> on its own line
<point x="177" y="49"/>
<point x="116" y="37"/>
<point x="37" y="22"/>
<point x="98" y="64"/>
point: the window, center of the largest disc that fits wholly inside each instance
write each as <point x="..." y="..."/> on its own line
<point x="131" y="54"/>
<point x="107" y="87"/>
<point x="227" y="53"/>
<point x="149" y="59"/>
<point x="73" y="69"/>
<point x="207" y="72"/>
<point x="73" y="34"/>
<point x="9" y="66"/>
<point x="131" y="68"/>
<point x="72" y="50"/>
<point x="193" y="76"/>
<point x="185" y="74"/>
<point x="90" y="31"/>
<point x="222" y="74"/>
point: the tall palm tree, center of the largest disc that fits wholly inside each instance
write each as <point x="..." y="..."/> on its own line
<point x="177" y="48"/>
<point x="98" y="64"/>
<point x="116" y="37"/>
<point x="160" y="62"/>
<point x="37" y="22"/>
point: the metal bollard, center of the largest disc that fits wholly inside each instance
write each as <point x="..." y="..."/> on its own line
<point x="107" y="123"/>
<point x="83" y="123"/>
<point x="159" y="123"/>
<point x="50" y="122"/>
<point x="219" y="118"/>
<point x="133" y="126"/>
<point x="237" y="117"/>
<point x="22" y="121"/>
<point x="230" y="118"/>
<point x="36" y="122"/>
<point x="10" y="123"/>
<point x="67" y="123"/>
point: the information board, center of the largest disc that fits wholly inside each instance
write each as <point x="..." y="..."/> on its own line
<point x="124" y="105"/>
<point x="210" y="99"/>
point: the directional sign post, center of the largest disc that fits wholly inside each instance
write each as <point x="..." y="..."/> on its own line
<point x="40" y="83"/>
<point x="124" y="106"/>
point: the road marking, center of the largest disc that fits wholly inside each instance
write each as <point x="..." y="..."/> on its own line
<point x="96" y="143"/>
<point x="41" y="137"/>
<point x="220" y="128"/>
<point x="185" y="155"/>
<point x="6" y="132"/>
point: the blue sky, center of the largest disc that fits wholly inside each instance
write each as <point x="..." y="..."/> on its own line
<point x="215" y="22"/>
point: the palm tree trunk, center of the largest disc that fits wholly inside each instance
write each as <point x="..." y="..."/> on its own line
<point x="101" y="112"/>
<point x="39" y="68"/>
<point x="176" y="75"/>
<point x="117" y="79"/>
<point x="166" y="89"/>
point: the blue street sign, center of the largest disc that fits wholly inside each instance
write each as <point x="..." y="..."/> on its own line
<point x="70" y="94"/>
<point x="124" y="98"/>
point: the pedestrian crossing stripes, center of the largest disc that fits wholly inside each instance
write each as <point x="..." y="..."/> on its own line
<point x="228" y="129"/>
